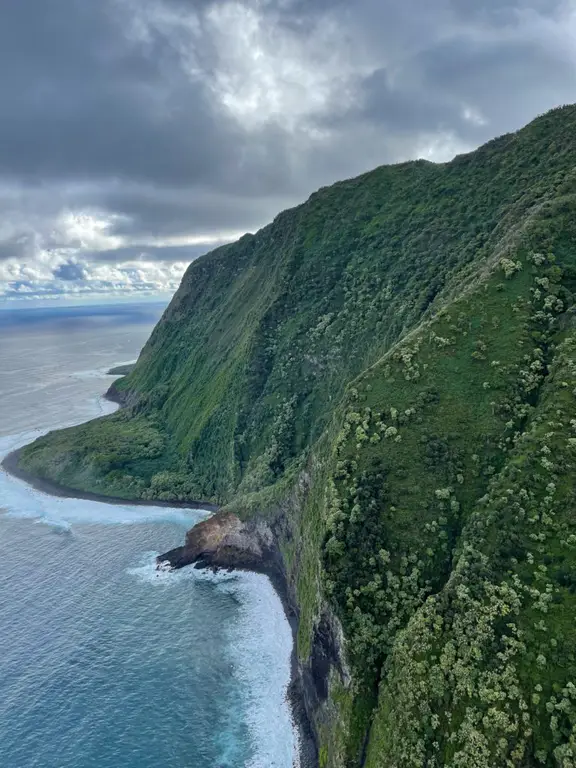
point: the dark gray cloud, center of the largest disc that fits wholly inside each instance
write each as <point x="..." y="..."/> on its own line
<point x="79" y="101"/>
<point x="497" y="73"/>
<point x="19" y="246"/>
<point x="136" y="134"/>
<point x="176" y="212"/>
<point x="69" y="271"/>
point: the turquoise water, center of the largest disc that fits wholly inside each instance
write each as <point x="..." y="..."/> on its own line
<point x="103" y="669"/>
<point x="105" y="662"/>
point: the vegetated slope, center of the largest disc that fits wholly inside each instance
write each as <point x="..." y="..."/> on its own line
<point x="390" y="365"/>
<point x="451" y="523"/>
<point x="261" y="339"/>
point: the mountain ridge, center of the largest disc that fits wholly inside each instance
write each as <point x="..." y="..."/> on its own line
<point x="373" y="372"/>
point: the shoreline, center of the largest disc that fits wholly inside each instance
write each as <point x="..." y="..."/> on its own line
<point x="10" y="465"/>
<point x="52" y="488"/>
<point x="307" y="753"/>
<point x="306" y="738"/>
<point x="306" y="756"/>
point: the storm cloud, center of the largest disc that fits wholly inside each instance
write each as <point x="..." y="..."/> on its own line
<point x="138" y="134"/>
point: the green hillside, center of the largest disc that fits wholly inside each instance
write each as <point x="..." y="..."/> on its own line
<point x="388" y="373"/>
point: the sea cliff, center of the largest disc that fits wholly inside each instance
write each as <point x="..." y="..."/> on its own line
<point x="223" y="541"/>
<point x="378" y="389"/>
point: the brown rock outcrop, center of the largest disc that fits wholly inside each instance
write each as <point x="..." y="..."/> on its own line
<point x="225" y="541"/>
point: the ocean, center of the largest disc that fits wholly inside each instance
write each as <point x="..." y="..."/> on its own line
<point x="105" y="662"/>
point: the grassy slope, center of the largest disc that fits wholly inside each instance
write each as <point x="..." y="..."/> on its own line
<point x="263" y="335"/>
<point x="402" y="341"/>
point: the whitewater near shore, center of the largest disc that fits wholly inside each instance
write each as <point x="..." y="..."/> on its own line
<point x="226" y="634"/>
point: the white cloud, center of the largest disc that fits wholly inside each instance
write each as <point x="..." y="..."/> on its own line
<point x="58" y="258"/>
<point x="473" y="115"/>
<point x="259" y="70"/>
<point x="179" y="240"/>
<point x="270" y="73"/>
<point x="128" y="279"/>
<point x="86" y="230"/>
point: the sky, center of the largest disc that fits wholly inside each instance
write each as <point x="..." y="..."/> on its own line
<point x="137" y="135"/>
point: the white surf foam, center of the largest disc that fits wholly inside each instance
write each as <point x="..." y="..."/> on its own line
<point x="260" y="643"/>
<point x="18" y="499"/>
<point x="100" y="373"/>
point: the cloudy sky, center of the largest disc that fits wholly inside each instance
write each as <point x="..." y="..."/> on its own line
<point x="137" y="134"/>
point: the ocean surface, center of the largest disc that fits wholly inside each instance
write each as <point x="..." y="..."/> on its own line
<point x="105" y="662"/>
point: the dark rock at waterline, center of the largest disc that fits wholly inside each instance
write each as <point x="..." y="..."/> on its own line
<point x="225" y="541"/>
<point x="122" y="370"/>
<point x="116" y="396"/>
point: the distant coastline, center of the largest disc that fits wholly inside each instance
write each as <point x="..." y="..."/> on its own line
<point x="121" y="370"/>
<point x="306" y="756"/>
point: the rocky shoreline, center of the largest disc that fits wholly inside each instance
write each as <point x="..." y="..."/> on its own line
<point x="10" y="465"/>
<point x="224" y="542"/>
<point x="221" y="541"/>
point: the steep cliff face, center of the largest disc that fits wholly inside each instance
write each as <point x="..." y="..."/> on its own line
<point x="225" y="541"/>
<point x="383" y="380"/>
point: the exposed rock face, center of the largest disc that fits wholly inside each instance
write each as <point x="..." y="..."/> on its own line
<point x="224" y="541"/>
<point x="115" y="395"/>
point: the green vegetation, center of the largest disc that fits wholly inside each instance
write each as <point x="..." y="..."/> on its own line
<point x="99" y="456"/>
<point x="389" y="371"/>
<point x="122" y="370"/>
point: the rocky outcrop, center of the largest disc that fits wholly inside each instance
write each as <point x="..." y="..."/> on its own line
<point x="225" y="541"/>
<point x="121" y="370"/>
<point x="115" y="395"/>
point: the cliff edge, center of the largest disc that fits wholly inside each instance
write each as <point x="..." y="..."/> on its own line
<point x="379" y="390"/>
<point x="225" y="541"/>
